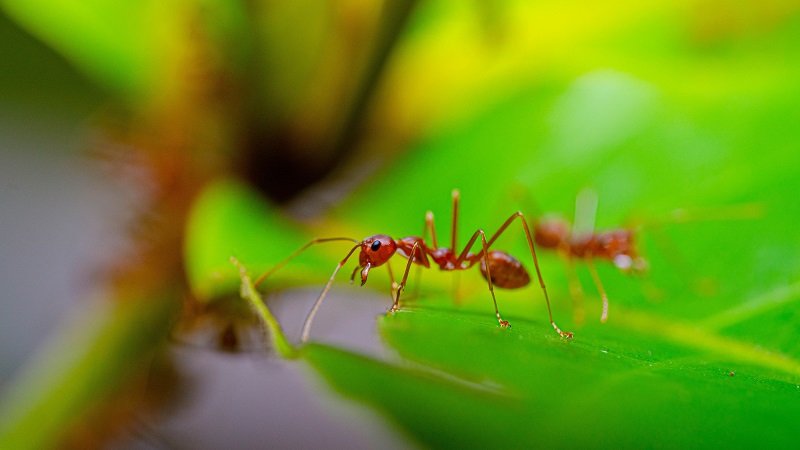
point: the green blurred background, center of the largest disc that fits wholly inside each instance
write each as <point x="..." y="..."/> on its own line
<point x="144" y="143"/>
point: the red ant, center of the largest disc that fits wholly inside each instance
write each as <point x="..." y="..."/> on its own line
<point x="616" y="246"/>
<point x="499" y="268"/>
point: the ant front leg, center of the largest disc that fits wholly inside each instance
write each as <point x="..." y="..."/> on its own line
<point x="415" y="251"/>
<point x="596" y="278"/>
<point x="428" y="228"/>
<point x="575" y="289"/>
<point x="483" y="254"/>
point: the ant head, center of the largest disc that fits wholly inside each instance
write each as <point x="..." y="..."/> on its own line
<point x="551" y="232"/>
<point x="375" y="250"/>
<point x="619" y="246"/>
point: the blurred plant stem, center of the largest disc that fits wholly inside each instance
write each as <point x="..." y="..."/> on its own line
<point x="393" y="20"/>
<point x="271" y="326"/>
<point x="189" y="109"/>
<point x="289" y="150"/>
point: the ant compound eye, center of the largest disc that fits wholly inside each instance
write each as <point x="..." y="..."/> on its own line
<point x="376" y="249"/>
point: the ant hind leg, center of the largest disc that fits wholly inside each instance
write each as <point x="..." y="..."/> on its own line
<point x="596" y="278"/>
<point x="529" y="237"/>
<point x="575" y="291"/>
<point x="503" y="323"/>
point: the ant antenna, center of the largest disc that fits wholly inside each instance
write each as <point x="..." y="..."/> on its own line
<point x="295" y="254"/>
<point x="456" y="196"/>
<point x="310" y="318"/>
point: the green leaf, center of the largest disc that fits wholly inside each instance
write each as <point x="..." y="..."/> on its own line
<point x="250" y="295"/>
<point x="487" y="386"/>
<point x="677" y="364"/>
<point x="230" y="219"/>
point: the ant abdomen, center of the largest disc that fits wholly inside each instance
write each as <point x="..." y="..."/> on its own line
<point x="507" y="272"/>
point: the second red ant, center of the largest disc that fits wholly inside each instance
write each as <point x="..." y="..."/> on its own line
<point x="499" y="268"/>
<point x="618" y="246"/>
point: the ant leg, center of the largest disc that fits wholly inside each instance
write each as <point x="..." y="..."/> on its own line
<point x="454" y="231"/>
<point x="313" y="312"/>
<point x="575" y="290"/>
<point x="700" y="285"/>
<point x="503" y="323"/>
<point x="527" y="231"/>
<point x="596" y="277"/>
<point x="429" y="227"/>
<point x="356" y="269"/>
<point x="414" y="251"/>
<point x="295" y="254"/>
<point x="746" y="211"/>
<point x="391" y="277"/>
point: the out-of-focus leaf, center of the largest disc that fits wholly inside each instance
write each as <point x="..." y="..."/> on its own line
<point x="140" y="50"/>
<point x="516" y="387"/>
<point x="685" y="47"/>
<point x="230" y="219"/>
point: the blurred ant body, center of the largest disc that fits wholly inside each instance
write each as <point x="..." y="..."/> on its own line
<point x="580" y="241"/>
<point x="618" y="246"/>
<point x="499" y="268"/>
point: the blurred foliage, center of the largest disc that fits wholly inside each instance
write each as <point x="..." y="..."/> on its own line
<point x="520" y="105"/>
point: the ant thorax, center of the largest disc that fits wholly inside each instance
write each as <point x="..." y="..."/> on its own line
<point x="447" y="259"/>
<point x="617" y="246"/>
<point x="406" y="245"/>
<point x="551" y="232"/>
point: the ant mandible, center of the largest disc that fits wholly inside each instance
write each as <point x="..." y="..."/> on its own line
<point x="499" y="268"/>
